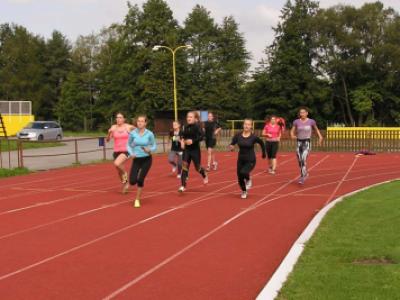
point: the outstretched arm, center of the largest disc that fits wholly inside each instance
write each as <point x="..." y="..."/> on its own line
<point x="319" y="134"/>
<point x="262" y="145"/>
<point x="293" y="132"/>
<point x="131" y="145"/>
<point x="233" y="143"/>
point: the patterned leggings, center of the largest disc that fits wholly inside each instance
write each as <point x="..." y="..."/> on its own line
<point x="302" y="151"/>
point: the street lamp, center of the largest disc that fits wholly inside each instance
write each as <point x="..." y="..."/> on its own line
<point x="173" y="51"/>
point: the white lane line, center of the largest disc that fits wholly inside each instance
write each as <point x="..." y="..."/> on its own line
<point x="158" y="215"/>
<point x="179" y="253"/>
<point x="341" y="181"/>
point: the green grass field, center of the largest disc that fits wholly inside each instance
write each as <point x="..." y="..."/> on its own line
<point x="355" y="253"/>
<point x="13" y="172"/>
<point x="27" y="145"/>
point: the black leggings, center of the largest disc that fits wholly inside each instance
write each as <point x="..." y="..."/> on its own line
<point x="244" y="167"/>
<point x="272" y="149"/>
<point x="140" y="168"/>
<point x="188" y="156"/>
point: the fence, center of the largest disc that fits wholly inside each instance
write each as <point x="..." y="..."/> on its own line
<point x="88" y="150"/>
<point x="74" y="151"/>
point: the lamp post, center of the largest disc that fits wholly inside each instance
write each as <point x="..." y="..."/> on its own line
<point x="173" y="51"/>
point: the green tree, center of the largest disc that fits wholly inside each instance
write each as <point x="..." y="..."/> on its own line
<point x="57" y="64"/>
<point x="22" y="71"/>
<point x="201" y="31"/>
<point x="288" y="79"/>
<point x="232" y="67"/>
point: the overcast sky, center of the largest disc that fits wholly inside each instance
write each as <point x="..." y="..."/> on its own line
<point x="81" y="17"/>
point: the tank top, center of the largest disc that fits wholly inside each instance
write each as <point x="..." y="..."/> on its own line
<point x="274" y="131"/>
<point x="121" y="136"/>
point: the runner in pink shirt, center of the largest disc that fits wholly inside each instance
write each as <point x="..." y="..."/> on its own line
<point x="273" y="132"/>
<point x="120" y="133"/>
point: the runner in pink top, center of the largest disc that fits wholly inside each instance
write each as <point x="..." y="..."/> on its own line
<point x="120" y="133"/>
<point x="273" y="132"/>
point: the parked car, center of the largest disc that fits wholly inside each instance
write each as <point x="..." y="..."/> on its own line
<point x="41" y="130"/>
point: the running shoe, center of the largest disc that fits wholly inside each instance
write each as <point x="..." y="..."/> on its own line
<point x="272" y="172"/>
<point x="244" y="195"/>
<point x="205" y="180"/>
<point x="179" y="176"/>
<point x="249" y="184"/>
<point x="301" y="180"/>
<point x="137" y="203"/>
<point x="215" y="166"/>
<point x="269" y="170"/>
<point x="125" y="188"/>
<point x="124" y="178"/>
<point x="181" y="189"/>
<point x="173" y="169"/>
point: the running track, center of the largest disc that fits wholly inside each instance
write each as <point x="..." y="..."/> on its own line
<point x="70" y="234"/>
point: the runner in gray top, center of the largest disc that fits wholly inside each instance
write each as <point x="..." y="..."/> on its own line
<point x="302" y="131"/>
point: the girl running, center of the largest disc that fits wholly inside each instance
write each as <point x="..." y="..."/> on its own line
<point x="141" y="144"/>
<point x="190" y="142"/>
<point x="302" y="131"/>
<point x="273" y="132"/>
<point x="247" y="157"/>
<point x="211" y="129"/>
<point x="120" y="133"/>
<point x="175" y="155"/>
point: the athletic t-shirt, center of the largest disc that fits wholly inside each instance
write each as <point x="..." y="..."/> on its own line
<point x="192" y="132"/>
<point x="120" y="136"/>
<point x="246" y="146"/>
<point x="175" y="140"/>
<point x="304" y="128"/>
<point x="209" y="128"/>
<point x="274" y="131"/>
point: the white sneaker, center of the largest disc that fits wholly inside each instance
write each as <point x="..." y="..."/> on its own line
<point x="249" y="184"/>
<point x="272" y="172"/>
<point x="205" y="180"/>
<point x="181" y="189"/>
<point x="179" y="176"/>
<point x="243" y="195"/>
<point x="173" y="169"/>
<point x="215" y="166"/>
<point x="125" y="188"/>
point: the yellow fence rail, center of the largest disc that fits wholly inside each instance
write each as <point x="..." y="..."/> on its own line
<point x="362" y="133"/>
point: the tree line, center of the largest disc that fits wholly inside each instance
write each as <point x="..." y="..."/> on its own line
<point x="343" y="63"/>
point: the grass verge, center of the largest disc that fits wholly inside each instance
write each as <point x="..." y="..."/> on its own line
<point x="27" y="145"/>
<point x="355" y="253"/>
<point x="13" y="172"/>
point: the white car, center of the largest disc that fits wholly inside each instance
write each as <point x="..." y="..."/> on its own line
<point x="41" y="130"/>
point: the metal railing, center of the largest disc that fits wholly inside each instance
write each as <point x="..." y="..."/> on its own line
<point x="80" y="151"/>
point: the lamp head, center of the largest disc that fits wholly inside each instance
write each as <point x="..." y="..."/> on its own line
<point x="190" y="47"/>
<point x="155" y="48"/>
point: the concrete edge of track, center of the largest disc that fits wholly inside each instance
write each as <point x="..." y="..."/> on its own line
<point x="274" y="285"/>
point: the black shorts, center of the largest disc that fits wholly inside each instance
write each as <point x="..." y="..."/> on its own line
<point x="272" y="149"/>
<point x="211" y="143"/>
<point x="116" y="154"/>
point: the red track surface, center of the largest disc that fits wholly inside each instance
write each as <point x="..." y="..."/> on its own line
<point x="70" y="234"/>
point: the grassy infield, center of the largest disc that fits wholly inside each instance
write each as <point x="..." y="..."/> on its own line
<point x="355" y="253"/>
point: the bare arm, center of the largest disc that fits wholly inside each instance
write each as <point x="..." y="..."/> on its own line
<point x="293" y="132"/>
<point x="110" y="133"/>
<point x="320" y="137"/>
